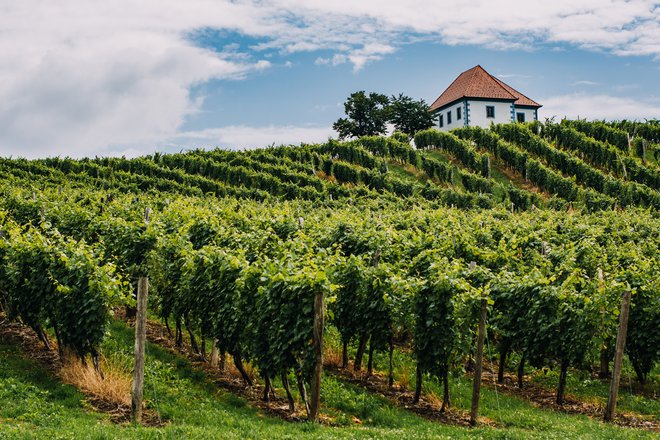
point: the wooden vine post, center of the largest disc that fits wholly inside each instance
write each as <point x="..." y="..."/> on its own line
<point x="318" y="358"/>
<point x="140" y="340"/>
<point x="215" y="355"/>
<point x="476" y="384"/>
<point x="140" y="337"/>
<point x="618" y="357"/>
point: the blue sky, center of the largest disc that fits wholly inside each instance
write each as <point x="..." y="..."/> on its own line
<point x="86" y="78"/>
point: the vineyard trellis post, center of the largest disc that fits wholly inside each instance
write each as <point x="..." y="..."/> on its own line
<point x="140" y="337"/>
<point x="476" y="384"/>
<point x="215" y="354"/>
<point x="318" y="358"/>
<point x="618" y="357"/>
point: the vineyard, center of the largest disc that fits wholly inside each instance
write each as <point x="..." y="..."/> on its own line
<point x="375" y="259"/>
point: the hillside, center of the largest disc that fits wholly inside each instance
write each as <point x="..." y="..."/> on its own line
<point x="372" y="260"/>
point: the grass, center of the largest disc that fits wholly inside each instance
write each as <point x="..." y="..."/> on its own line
<point x="521" y="418"/>
<point x="407" y="172"/>
<point x="115" y="387"/>
<point x="584" y="387"/>
<point x="36" y="406"/>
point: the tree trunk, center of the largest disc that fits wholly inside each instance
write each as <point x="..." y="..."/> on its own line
<point x="362" y="345"/>
<point x="203" y="350"/>
<point x="500" y="371"/>
<point x="344" y="355"/>
<point x="223" y="360"/>
<point x="562" y="382"/>
<point x="370" y="362"/>
<point x="418" y="385"/>
<point x="167" y="327"/>
<point x="287" y="389"/>
<point x="266" y="396"/>
<point x="179" y="334"/>
<point x="521" y="371"/>
<point x="446" y="401"/>
<point x="238" y="362"/>
<point x="390" y="381"/>
<point x="302" y="391"/>
<point x="193" y="341"/>
<point x="604" y="371"/>
<point x="39" y="330"/>
<point x="96" y="361"/>
<point x="273" y="395"/>
<point x="641" y="376"/>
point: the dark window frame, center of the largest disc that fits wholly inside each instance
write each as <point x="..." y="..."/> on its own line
<point x="441" y="121"/>
<point x="458" y="114"/>
<point x="490" y="111"/>
<point x="449" y="117"/>
<point x="520" y="117"/>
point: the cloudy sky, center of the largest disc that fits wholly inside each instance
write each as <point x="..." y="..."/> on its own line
<point x="88" y="77"/>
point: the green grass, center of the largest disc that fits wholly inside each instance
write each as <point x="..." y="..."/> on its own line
<point x="520" y="418"/>
<point x="584" y="387"/>
<point x="33" y="405"/>
<point x="400" y="171"/>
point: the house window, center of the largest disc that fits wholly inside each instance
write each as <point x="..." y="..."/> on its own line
<point x="490" y="111"/>
<point x="441" y="121"/>
<point x="520" y="117"/>
<point x="458" y="113"/>
<point x="449" y="117"/>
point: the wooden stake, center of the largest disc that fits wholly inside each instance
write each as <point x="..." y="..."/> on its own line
<point x="476" y="384"/>
<point x="315" y="403"/>
<point x="140" y="337"/>
<point x="644" y="151"/>
<point x="215" y="354"/>
<point x="618" y="356"/>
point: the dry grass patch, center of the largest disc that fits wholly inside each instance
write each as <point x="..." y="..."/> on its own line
<point x="404" y="379"/>
<point x="433" y="399"/>
<point x="332" y="356"/>
<point x="114" y="388"/>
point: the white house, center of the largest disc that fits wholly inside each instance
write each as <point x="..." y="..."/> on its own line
<point x="477" y="98"/>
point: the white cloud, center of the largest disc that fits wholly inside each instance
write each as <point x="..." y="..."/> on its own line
<point x="233" y="137"/>
<point x="598" y="107"/>
<point x="584" y="82"/>
<point x="83" y="76"/>
<point x="244" y="136"/>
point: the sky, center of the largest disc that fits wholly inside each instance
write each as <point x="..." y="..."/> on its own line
<point x="94" y="78"/>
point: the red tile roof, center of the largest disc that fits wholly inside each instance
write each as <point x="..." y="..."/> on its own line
<point x="477" y="83"/>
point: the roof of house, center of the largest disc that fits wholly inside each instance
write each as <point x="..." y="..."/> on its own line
<point x="477" y="83"/>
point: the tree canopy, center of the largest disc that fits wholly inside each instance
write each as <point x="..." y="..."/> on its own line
<point x="368" y="115"/>
<point x="409" y="116"/>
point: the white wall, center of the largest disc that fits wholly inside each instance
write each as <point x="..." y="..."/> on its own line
<point x="455" y="123"/>
<point x="477" y="113"/>
<point x="529" y="114"/>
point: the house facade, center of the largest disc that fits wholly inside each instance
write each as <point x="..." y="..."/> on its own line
<point x="476" y="98"/>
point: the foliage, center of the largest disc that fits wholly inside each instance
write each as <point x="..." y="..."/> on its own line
<point x="409" y="116"/>
<point x="366" y="114"/>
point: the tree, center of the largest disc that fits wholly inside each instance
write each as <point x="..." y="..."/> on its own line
<point x="367" y="115"/>
<point x="409" y="116"/>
